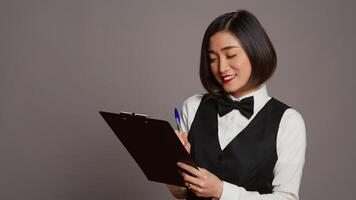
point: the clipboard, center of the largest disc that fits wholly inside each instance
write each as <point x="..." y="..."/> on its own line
<point x="152" y="143"/>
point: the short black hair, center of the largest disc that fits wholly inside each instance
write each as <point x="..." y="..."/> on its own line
<point x="254" y="41"/>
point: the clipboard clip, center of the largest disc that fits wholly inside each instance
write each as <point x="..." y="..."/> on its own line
<point x="133" y="114"/>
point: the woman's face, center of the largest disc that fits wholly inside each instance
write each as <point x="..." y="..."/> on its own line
<point x="229" y="64"/>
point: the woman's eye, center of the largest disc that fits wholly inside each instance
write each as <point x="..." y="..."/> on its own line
<point x="212" y="60"/>
<point x="230" y="56"/>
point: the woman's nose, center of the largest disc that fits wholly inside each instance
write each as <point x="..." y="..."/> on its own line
<point x="223" y="66"/>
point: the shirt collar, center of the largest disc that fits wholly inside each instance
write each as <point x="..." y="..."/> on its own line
<point x="260" y="97"/>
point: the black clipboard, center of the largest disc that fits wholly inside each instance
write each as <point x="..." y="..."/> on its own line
<point x="152" y="143"/>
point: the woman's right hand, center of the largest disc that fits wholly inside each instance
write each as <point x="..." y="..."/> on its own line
<point x="177" y="191"/>
<point x="183" y="137"/>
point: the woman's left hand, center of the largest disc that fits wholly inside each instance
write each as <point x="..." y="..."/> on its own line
<point x="203" y="183"/>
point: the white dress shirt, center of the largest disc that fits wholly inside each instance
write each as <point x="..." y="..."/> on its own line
<point x="290" y="145"/>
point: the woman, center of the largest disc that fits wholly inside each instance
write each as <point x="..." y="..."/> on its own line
<point x="247" y="144"/>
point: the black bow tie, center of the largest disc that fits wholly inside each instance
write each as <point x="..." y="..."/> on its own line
<point x="226" y="105"/>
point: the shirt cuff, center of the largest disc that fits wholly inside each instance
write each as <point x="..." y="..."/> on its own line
<point x="230" y="191"/>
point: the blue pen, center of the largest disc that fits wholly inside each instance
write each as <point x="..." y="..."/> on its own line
<point x="177" y="117"/>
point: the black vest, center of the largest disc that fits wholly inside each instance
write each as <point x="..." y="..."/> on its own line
<point x="248" y="160"/>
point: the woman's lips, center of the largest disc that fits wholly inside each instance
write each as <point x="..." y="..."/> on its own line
<point x="228" y="78"/>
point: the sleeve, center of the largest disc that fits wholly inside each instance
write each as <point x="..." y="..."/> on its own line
<point x="189" y="108"/>
<point x="291" y="147"/>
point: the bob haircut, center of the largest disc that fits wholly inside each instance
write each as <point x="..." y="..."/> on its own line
<point x="254" y="41"/>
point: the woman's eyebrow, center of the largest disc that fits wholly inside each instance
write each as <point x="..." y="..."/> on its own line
<point x="224" y="48"/>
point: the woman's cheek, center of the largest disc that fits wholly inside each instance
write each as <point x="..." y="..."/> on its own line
<point x="214" y="70"/>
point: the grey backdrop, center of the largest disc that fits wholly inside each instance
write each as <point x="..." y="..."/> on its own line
<point x="62" y="61"/>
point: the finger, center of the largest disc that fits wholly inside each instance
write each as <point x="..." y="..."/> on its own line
<point x="179" y="135"/>
<point x="190" y="179"/>
<point x="187" y="147"/>
<point x="202" y="169"/>
<point x="181" y="140"/>
<point x="196" y="189"/>
<point x="189" y="169"/>
<point x="185" y="136"/>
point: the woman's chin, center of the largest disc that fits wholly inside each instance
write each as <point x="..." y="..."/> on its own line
<point x="230" y="89"/>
